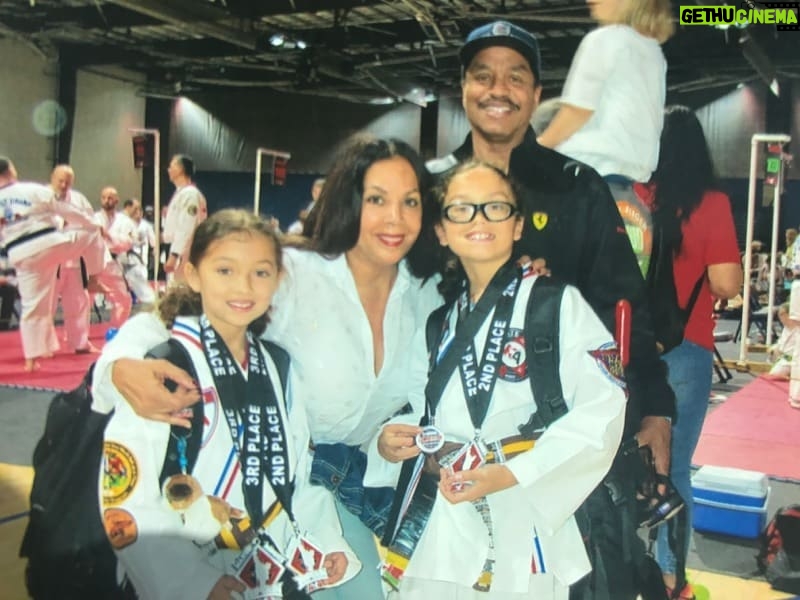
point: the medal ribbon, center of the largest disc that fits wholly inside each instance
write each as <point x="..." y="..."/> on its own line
<point x="254" y="420"/>
<point x="479" y="385"/>
<point x="500" y="293"/>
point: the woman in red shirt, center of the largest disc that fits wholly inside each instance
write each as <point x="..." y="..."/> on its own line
<point x="697" y="221"/>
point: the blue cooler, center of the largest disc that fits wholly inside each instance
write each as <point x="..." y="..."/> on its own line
<point x="730" y="501"/>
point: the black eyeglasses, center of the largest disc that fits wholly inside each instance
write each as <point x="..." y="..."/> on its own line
<point x="493" y="212"/>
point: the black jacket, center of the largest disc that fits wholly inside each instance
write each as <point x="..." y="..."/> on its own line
<point x="581" y="236"/>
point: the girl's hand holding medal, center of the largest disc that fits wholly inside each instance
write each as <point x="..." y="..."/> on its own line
<point x="466" y="486"/>
<point x="397" y="442"/>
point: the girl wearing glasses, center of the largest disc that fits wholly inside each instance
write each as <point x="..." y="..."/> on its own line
<point x="498" y="522"/>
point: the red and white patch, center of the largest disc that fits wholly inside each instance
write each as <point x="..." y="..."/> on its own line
<point x="514" y="367"/>
<point x="608" y="360"/>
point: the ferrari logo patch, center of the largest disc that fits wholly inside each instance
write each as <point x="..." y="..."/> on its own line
<point x="539" y="220"/>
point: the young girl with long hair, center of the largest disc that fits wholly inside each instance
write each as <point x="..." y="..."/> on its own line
<point x="245" y="517"/>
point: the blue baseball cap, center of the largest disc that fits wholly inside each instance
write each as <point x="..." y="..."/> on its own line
<point x="502" y="33"/>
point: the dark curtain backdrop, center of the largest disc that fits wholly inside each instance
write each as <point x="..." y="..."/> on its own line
<point x="222" y="132"/>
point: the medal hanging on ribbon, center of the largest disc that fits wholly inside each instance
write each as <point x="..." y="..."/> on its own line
<point x="478" y="381"/>
<point x="261" y="440"/>
<point x="260" y="568"/>
<point x="430" y="439"/>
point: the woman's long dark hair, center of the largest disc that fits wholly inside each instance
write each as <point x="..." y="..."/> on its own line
<point x="334" y="224"/>
<point x="684" y="173"/>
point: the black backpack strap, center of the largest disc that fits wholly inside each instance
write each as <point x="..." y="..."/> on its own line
<point x="173" y="351"/>
<point x="433" y="329"/>
<point x="281" y="359"/>
<point x="693" y="297"/>
<point x="542" y="317"/>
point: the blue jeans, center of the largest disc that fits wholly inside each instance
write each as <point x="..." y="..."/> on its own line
<point x="690" y="368"/>
<point x="367" y="584"/>
<point x="340" y="469"/>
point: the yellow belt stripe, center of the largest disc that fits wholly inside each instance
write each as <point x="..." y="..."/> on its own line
<point x="513" y="448"/>
<point x="227" y="534"/>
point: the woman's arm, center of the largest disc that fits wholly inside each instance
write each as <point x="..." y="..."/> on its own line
<point x="725" y="279"/>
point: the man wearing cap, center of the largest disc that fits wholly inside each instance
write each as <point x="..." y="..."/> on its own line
<point x="572" y="221"/>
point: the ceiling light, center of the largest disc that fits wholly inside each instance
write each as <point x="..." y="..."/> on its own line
<point x="381" y="100"/>
<point x="276" y="40"/>
<point x="301" y="44"/>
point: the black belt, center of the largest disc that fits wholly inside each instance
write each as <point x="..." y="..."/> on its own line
<point x="29" y="236"/>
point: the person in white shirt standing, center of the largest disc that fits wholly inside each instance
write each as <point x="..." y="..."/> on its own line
<point x="121" y="235"/>
<point x="71" y="283"/>
<point x="186" y="210"/>
<point x="612" y="105"/>
<point x="133" y="264"/>
<point x="30" y="234"/>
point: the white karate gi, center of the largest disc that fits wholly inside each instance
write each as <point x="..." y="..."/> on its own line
<point x="36" y="246"/>
<point x="163" y="561"/>
<point x="533" y="522"/>
<point x="186" y="210"/>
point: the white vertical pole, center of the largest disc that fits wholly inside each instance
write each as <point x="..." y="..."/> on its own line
<point x="748" y="252"/>
<point x="748" y="256"/>
<point x="259" y="153"/>
<point x="773" y="261"/>
<point x="257" y="199"/>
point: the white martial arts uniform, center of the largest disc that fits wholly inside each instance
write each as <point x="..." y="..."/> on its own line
<point x="186" y="210"/>
<point x="75" y="300"/>
<point x="129" y="271"/>
<point x="36" y="246"/>
<point x="145" y="239"/>
<point x="539" y="551"/>
<point x="155" y="546"/>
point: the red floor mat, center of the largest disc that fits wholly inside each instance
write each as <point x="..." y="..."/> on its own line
<point x="62" y="372"/>
<point x="755" y="429"/>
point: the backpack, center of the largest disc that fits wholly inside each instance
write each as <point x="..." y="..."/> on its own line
<point x="621" y="566"/>
<point x="69" y="556"/>
<point x="669" y="318"/>
<point x="779" y="552"/>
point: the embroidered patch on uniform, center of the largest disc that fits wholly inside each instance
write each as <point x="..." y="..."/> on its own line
<point x="539" y="220"/>
<point x="514" y="367"/>
<point x="120" y="473"/>
<point x="192" y="210"/>
<point x="120" y="526"/>
<point x="607" y="358"/>
<point x="210" y="414"/>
